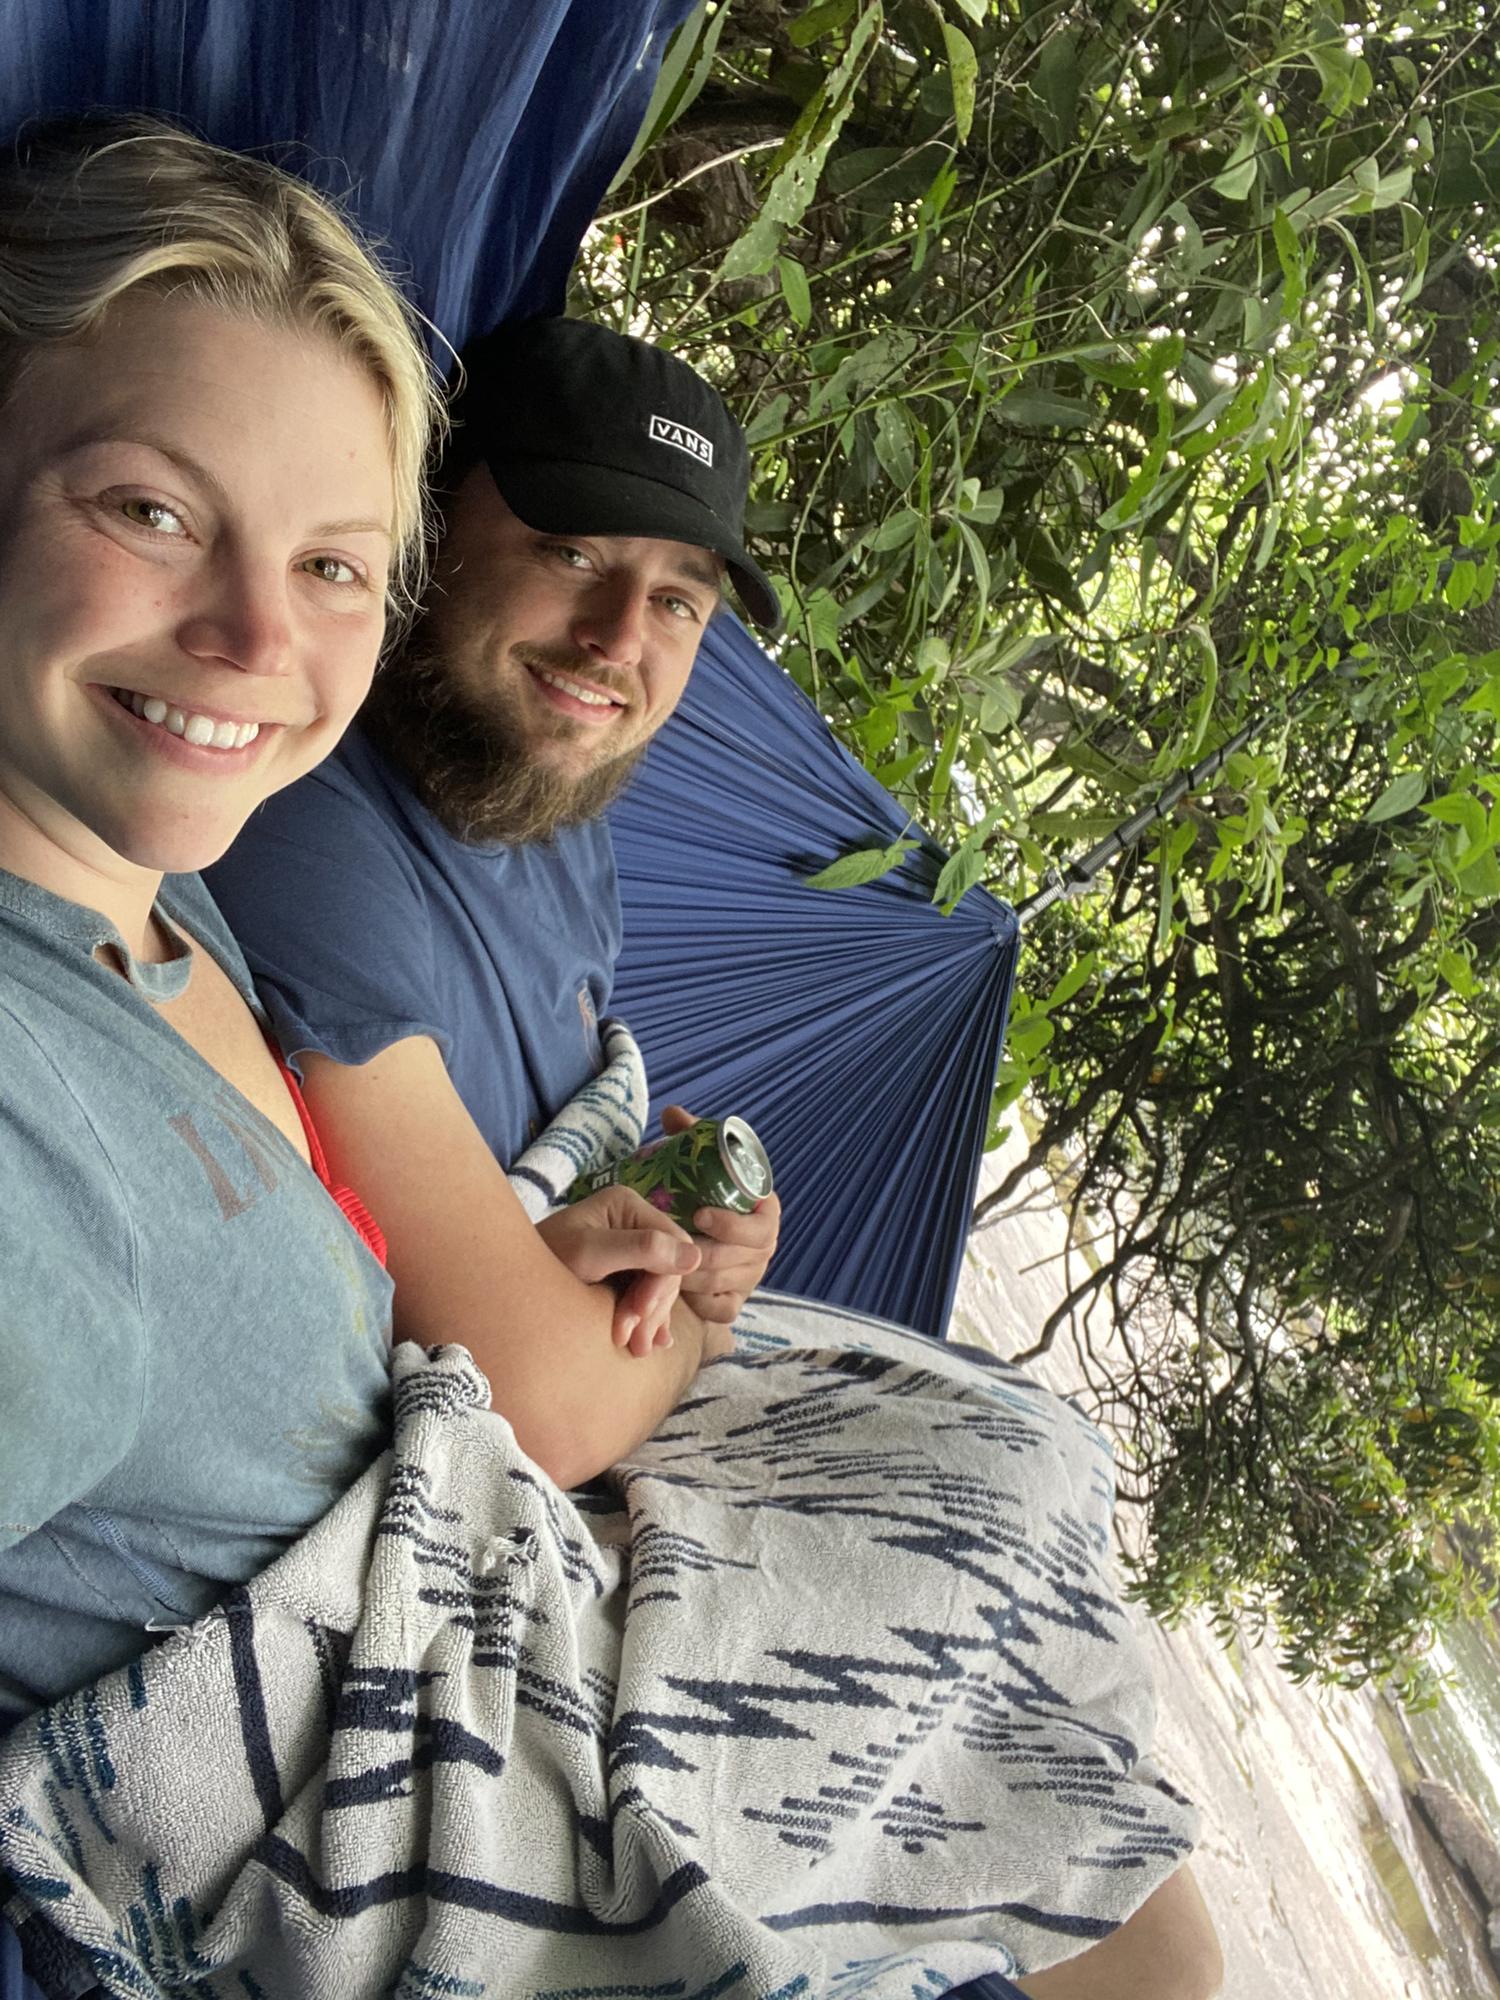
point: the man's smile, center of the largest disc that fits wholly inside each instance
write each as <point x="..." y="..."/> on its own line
<point x="582" y="700"/>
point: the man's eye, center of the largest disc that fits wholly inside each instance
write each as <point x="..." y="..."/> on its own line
<point x="681" y="607"/>
<point x="332" y="569"/>
<point x="574" y="558"/>
<point x="153" y="514"/>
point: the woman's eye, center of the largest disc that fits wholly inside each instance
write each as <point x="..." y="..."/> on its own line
<point x="153" y="514"/>
<point x="332" y="569"/>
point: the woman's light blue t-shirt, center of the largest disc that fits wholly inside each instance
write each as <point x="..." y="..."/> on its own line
<point x="194" y="1343"/>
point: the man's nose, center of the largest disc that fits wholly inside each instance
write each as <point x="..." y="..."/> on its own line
<point x="610" y="624"/>
<point x="242" y="618"/>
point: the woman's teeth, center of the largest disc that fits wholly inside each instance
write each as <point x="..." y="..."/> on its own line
<point x="201" y="730"/>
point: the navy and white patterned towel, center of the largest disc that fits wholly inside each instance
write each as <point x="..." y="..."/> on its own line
<point x="828" y="1695"/>
<point x="600" y="1125"/>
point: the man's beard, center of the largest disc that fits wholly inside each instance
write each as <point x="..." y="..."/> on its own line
<point x="472" y="762"/>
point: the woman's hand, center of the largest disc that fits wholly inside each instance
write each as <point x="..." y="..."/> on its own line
<point x="616" y="1231"/>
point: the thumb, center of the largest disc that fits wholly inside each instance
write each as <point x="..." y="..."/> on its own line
<point x="605" y="1252"/>
<point x="655" y="1250"/>
<point x="674" y="1120"/>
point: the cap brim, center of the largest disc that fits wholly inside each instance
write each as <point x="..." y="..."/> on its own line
<point x="567" y="498"/>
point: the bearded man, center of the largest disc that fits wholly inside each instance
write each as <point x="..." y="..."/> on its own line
<point x="433" y="917"/>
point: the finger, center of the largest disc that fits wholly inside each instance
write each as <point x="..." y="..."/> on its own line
<point x="757" y="1230"/>
<point x="646" y="1302"/>
<point x="654" y="1331"/>
<point x="648" y="1336"/>
<point x="609" y="1252"/>
<point x="722" y="1305"/>
<point x="630" y="1209"/>
<point x="719" y="1259"/>
<point x="656" y="1251"/>
<point x="657" y="1297"/>
<point x="675" y="1119"/>
<point x="740" y="1232"/>
<point x="644" y="1340"/>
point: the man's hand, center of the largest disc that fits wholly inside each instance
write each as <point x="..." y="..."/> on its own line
<point x="736" y="1248"/>
<point x="613" y="1231"/>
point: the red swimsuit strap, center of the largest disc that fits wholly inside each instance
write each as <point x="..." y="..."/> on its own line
<point x="349" y="1202"/>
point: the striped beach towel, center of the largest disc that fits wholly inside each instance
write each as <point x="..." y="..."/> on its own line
<point x="826" y="1691"/>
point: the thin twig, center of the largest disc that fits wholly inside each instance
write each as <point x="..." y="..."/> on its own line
<point x="723" y="160"/>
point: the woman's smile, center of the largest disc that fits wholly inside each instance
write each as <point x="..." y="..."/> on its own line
<point x="192" y="725"/>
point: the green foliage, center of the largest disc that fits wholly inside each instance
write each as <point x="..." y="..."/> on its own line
<point x="1116" y="375"/>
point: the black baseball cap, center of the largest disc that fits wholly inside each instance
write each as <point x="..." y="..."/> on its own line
<point x="591" y="432"/>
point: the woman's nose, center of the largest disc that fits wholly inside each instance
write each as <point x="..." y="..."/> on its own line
<point x="242" y="619"/>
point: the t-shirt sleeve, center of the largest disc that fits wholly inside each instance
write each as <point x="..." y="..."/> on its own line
<point x="322" y="898"/>
<point x="72" y="1344"/>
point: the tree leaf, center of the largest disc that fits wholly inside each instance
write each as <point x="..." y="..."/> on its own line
<point x="1040" y="406"/>
<point x="1241" y="170"/>
<point x="893" y="444"/>
<point x="1059" y="81"/>
<point x="684" y="71"/>
<point x="819" y="21"/>
<point x="795" y="289"/>
<point x="768" y="420"/>
<point x="799" y="163"/>
<point x="864" y="864"/>
<point x="895" y="774"/>
<point x="1398" y="797"/>
<point x="894" y="532"/>
<point x="963" y="77"/>
<point x="1077" y="976"/>
<point x="942" y="776"/>
<point x="967" y="863"/>
<point x="960" y="872"/>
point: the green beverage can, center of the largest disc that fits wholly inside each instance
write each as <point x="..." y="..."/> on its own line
<point x="717" y="1163"/>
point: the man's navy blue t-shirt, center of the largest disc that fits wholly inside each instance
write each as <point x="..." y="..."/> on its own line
<point x="365" y="922"/>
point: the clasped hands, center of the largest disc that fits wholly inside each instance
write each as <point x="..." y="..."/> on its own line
<point x="616" y="1231"/>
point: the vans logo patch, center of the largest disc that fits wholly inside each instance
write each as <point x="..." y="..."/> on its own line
<point x="663" y="430"/>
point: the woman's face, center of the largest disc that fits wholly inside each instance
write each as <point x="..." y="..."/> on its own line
<point x="195" y="516"/>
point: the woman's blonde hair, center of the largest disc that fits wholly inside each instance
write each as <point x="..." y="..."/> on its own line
<point x="93" y="208"/>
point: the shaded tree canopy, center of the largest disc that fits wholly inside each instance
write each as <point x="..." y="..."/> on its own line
<point x="1117" y="375"/>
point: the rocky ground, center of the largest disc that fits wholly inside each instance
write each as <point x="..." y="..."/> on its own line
<point x="1323" y="1881"/>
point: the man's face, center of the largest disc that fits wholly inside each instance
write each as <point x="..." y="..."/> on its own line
<point x="559" y="657"/>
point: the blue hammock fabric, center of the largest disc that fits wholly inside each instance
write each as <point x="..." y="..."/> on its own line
<point x="473" y="138"/>
<point x="856" y="1029"/>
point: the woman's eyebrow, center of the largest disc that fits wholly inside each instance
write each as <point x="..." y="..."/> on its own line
<point x="354" y="528"/>
<point x="196" y="470"/>
<point x="96" y="435"/>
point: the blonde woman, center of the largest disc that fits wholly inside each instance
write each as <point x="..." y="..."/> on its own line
<point x="214" y="412"/>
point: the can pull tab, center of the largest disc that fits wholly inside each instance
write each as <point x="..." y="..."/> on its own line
<point x="747" y="1162"/>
